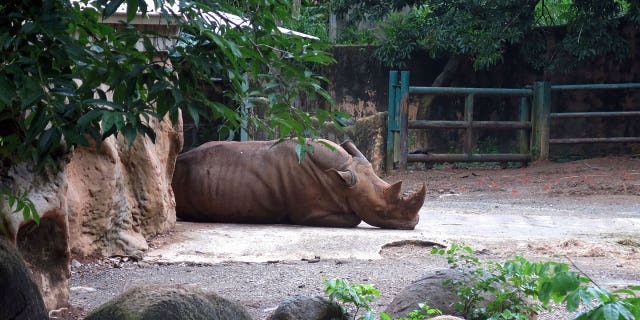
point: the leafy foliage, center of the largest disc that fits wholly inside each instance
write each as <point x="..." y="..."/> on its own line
<point x="67" y="78"/>
<point x="358" y="295"/>
<point x="423" y="312"/>
<point x="482" y="31"/>
<point x="520" y="289"/>
<point x="314" y="16"/>
<point x="17" y="204"/>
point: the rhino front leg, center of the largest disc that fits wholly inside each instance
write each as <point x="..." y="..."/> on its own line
<point x="328" y="219"/>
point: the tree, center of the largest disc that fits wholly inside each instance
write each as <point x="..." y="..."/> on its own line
<point x="67" y="79"/>
<point x="482" y="30"/>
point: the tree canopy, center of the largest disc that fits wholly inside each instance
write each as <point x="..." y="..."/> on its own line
<point x="482" y="30"/>
<point x="68" y="79"/>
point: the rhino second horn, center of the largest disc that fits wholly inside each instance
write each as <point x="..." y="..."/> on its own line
<point x="392" y="192"/>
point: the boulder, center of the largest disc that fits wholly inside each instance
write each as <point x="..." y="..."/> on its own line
<point x="119" y="196"/>
<point x="169" y="303"/>
<point x="104" y="202"/>
<point x="307" y="308"/>
<point x="429" y="290"/>
<point x="367" y="133"/>
<point x="20" y="297"/>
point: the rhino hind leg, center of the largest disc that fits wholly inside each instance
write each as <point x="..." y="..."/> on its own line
<point x="329" y="219"/>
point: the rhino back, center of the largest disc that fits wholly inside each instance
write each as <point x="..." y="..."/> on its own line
<point x="253" y="182"/>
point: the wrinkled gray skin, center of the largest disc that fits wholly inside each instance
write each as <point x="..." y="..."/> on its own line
<point x="262" y="182"/>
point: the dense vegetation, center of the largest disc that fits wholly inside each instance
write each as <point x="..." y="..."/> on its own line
<point x="67" y="79"/>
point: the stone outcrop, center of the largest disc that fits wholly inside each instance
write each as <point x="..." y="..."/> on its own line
<point x="19" y="297"/>
<point x="429" y="290"/>
<point x="122" y="194"/>
<point x="169" y="302"/>
<point x="368" y="134"/>
<point x="308" y="308"/>
<point x="102" y="202"/>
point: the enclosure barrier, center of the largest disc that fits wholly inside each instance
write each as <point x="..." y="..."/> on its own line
<point x="533" y="125"/>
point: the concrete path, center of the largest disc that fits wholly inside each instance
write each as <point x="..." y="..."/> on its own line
<point x="444" y="220"/>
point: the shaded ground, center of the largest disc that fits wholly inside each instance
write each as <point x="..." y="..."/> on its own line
<point x="586" y="213"/>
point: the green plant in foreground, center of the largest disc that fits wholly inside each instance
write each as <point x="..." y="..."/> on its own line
<point x="358" y="295"/>
<point x="519" y="289"/>
<point x="424" y="312"/>
<point x="361" y="295"/>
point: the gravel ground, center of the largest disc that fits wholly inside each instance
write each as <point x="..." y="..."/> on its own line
<point x="608" y="187"/>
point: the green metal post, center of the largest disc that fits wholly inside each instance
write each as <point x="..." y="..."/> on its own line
<point x="404" y="119"/>
<point x="542" y="109"/>
<point x="392" y="126"/>
<point x="524" y="117"/>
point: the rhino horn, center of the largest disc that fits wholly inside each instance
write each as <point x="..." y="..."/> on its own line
<point x="392" y="192"/>
<point x="411" y="203"/>
<point x="414" y="202"/>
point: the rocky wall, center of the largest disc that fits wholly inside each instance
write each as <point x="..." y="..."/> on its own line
<point x="104" y="202"/>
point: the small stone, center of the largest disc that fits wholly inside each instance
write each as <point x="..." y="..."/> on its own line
<point x="75" y="263"/>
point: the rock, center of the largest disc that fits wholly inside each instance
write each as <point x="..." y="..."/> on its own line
<point x="104" y="203"/>
<point x="368" y="134"/>
<point x="307" y="308"/>
<point x="119" y="196"/>
<point x="20" y="297"/>
<point x="445" y="317"/>
<point x="427" y="290"/>
<point x="169" y="302"/>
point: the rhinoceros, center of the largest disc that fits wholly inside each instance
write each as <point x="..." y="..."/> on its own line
<point x="264" y="182"/>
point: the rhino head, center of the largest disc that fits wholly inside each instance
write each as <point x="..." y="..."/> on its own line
<point x="375" y="201"/>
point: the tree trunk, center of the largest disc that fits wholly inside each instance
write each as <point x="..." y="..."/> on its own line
<point x="444" y="78"/>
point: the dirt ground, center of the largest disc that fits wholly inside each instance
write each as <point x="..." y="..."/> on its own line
<point x="603" y="187"/>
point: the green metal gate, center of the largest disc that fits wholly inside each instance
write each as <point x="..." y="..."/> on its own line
<point x="533" y="126"/>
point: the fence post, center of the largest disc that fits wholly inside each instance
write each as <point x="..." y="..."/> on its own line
<point x="404" y="119"/>
<point x="525" y="115"/>
<point x="468" y="120"/>
<point x="541" y="109"/>
<point x="392" y="121"/>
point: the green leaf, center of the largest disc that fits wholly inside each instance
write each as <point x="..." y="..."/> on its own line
<point x="573" y="301"/>
<point x="132" y="9"/>
<point x="194" y="113"/>
<point x="7" y="92"/>
<point x="111" y="7"/>
<point x="25" y="212"/>
<point x="130" y="133"/>
<point x="90" y="116"/>
<point x="34" y="212"/>
<point x="107" y="103"/>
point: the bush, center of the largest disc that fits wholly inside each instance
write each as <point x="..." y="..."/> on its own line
<point x="520" y="289"/>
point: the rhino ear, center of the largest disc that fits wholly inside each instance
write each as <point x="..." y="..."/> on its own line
<point x="349" y="177"/>
<point x="392" y="192"/>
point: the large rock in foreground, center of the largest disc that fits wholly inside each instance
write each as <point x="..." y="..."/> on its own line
<point x="427" y="289"/>
<point x="169" y="303"/>
<point x="308" y="308"/>
<point x="20" y="298"/>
